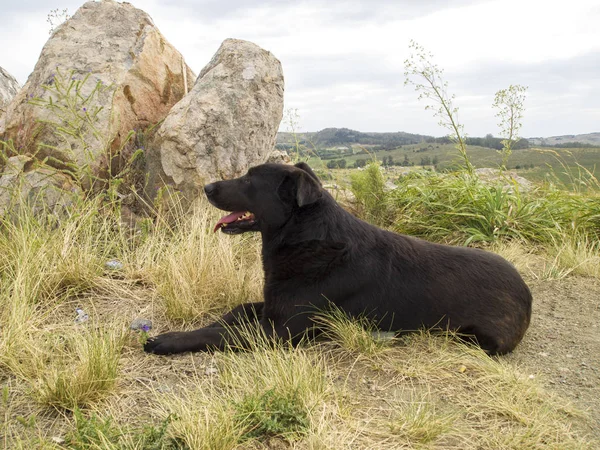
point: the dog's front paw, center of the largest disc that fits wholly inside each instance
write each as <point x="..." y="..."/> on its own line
<point x="166" y="344"/>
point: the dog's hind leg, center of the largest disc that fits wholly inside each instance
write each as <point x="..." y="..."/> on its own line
<point x="244" y="313"/>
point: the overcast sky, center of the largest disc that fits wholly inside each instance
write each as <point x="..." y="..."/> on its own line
<point x="343" y="60"/>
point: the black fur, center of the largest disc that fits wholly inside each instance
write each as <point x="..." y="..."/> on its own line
<point x="314" y="252"/>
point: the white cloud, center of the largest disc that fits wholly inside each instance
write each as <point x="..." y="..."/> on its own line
<point x="343" y="61"/>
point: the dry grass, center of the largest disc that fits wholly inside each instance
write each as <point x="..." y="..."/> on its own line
<point x="578" y="255"/>
<point x="195" y="271"/>
<point x="357" y="392"/>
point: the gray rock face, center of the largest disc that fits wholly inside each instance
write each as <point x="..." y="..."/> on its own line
<point x="227" y="123"/>
<point x="142" y="76"/>
<point x="43" y="189"/>
<point x="9" y="87"/>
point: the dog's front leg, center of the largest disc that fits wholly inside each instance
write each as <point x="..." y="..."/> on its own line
<point x="220" y="337"/>
<point x="242" y="314"/>
<point x="200" y="340"/>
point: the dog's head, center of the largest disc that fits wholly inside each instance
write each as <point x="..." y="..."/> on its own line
<point x="264" y="198"/>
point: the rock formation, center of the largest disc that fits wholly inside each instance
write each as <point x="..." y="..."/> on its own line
<point x="227" y="123"/>
<point x="43" y="189"/>
<point x="112" y="54"/>
<point x="9" y="87"/>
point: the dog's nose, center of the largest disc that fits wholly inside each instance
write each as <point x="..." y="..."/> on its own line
<point x="210" y="188"/>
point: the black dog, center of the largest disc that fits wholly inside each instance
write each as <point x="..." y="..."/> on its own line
<point x="314" y="252"/>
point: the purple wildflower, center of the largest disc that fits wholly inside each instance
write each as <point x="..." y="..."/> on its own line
<point x="84" y="109"/>
<point x="145" y="328"/>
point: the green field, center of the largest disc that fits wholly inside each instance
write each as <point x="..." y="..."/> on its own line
<point x="547" y="162"/>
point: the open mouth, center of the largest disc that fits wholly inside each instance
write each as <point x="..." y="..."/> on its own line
<point x="236" y="223"/>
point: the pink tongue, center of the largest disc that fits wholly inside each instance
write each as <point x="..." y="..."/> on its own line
<point x="229" y="219"/>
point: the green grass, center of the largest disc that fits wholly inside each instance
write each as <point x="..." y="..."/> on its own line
<point x="458" y="208"/>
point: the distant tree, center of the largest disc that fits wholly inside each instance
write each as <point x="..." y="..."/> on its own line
<point x="521" y="144"/>
<point x="360" y="163"/>
<point x="385" y="161"/>
<point x="342" y="163"/>
<point x="435" y="161"/>
<point x="406" y="161"/>
<point x="332" y="164"/>
<point x="390" y="160"/>
<point x="425" y="161"/>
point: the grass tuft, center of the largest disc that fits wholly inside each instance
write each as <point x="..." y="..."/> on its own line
<point x="87" y="371"/>
<point x="357" y="336"/>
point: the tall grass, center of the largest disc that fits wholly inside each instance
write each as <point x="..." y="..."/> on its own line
<point x="455" y="207"/>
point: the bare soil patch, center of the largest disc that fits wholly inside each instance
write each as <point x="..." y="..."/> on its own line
<point x="562" y="345"/>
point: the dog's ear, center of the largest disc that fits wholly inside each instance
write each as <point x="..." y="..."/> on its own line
<point x="300" y="187"/>
<point x="308" y="190"/>
<point x="302" y="165"/>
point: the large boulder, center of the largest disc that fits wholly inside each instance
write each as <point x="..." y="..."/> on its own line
<point x="227" y="123"/>
<point x="24" y="183"/>
<point x="9" y="87"/>
<point x="112" y="52"/>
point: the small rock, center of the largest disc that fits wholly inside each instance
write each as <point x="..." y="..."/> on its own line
<point x="58" y="440"/>
<point x="279" y="157"/>
<point x="383" y="335"/>
<point x="569" y="356"/>
<point x="114" y="264"/>
<point x="82" y="316"/>
<point x="164" y="389"/>
<point x="531" y="377"/>
<point x="211" y="371"/>
<point x="390" y="186"/>
<point x="141" y="324"/>
<point x="544" y="354"/>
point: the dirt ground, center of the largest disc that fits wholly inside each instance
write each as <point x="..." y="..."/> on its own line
<point x="562" y="345"/>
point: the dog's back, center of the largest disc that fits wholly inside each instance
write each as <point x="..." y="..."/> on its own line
<point x="403" y="283"/>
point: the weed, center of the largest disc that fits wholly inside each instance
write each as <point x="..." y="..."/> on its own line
<point x="96" y="432"/>
<point x="509" y="103"/>
<point x="270" y="414"/>
<point x="419" y="65"/>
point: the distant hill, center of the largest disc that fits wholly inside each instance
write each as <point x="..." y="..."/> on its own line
<point x="592" y="139"/>
<point x="335" y="142"/>
<point x="332" y="137"/>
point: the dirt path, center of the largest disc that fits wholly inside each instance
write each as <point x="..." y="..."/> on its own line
<point x="562" y="345"/>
